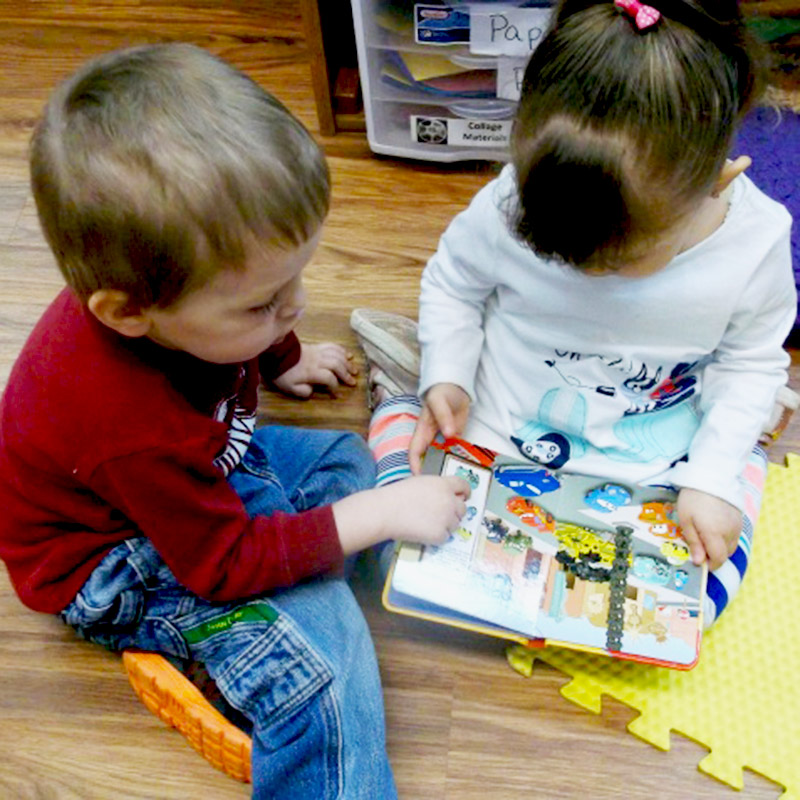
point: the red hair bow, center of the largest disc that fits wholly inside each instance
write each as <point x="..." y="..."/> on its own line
<point x="644" y="16"/>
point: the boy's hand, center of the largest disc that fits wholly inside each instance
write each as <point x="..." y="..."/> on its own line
<point x="425" y="509"/>
<point x="710" y="526"/>
<point x="325" y="364"/>
<point x="445" y="409"/>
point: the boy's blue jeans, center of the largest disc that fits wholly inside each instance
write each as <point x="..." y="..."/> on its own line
<point x="299" y="663"/>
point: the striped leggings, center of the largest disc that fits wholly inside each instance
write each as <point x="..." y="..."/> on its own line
<point x="390" y="432"/>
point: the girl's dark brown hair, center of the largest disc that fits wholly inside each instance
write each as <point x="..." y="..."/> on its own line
<point x="620" y="131"/>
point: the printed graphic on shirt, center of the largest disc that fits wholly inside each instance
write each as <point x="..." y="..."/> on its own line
<point x="617" y="408"/>
<point x="241" y="424"/>
<point x="551" y="448"/>
<point x="634" y="379"/>
<point x="679" y="386"/>
<point x="564" y="367"/>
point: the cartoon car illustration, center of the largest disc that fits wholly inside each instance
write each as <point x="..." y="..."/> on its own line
<point x="467" y="450"/>
<point x="526" y="481"/>
<point x="608" y="497"/>
<point x="469" y="476"/>
<point x="531" y="514"/>
<point x="464" y="533"/>
<point x="496" y="530"/>
<point x="517" y="542"/>
<point x="651" y="570"/>
<point x="675" y="552"/>
<point x="579" y="543"/>
<point x="659" y="517"/>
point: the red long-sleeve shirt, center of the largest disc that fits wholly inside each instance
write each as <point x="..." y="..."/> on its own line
<point x="103" y="438"/>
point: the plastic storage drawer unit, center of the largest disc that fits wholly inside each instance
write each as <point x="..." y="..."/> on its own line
<point x="441" y="82"/>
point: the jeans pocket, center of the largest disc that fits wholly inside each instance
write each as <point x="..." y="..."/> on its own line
<point x="265" y="668"/>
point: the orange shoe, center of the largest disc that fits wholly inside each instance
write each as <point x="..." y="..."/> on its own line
<point x="170" y="695"/>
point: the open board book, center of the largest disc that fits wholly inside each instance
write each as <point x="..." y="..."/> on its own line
<point x="543" y="557"/>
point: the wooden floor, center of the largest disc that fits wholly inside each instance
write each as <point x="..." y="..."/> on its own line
<point x="461" y="724"/>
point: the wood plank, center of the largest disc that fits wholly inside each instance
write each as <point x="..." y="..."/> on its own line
<point x="461" y="724"/>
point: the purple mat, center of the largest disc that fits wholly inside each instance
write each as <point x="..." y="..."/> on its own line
<point x="772" y="139"/>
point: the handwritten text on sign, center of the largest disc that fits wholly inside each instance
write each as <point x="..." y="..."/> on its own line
<point x="506" y="30"/>
<point x="510" y="72"/>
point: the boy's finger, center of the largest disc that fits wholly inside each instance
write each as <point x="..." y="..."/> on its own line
<point x="344" y="374"/>
<point x="460" y="487"/>
<point x="339" y="355"/>
<point x="328" y="379"/>
<point x="331" y="347"/>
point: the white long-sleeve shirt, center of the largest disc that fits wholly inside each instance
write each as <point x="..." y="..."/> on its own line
<point x="663" y="379"/>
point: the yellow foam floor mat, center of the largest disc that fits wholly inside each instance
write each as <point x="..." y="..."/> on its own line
<point x="742" y="700"/>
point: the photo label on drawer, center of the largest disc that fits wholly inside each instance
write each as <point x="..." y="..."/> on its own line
<point x="507" y="31"/>
<point x="460" y="132"/>
<point x="435" y="24"/>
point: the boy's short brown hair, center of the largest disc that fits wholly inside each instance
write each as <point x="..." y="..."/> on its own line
<point x="154" y="167"/>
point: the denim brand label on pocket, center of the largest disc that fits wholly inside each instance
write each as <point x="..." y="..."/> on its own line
<point x="252" y="612"/>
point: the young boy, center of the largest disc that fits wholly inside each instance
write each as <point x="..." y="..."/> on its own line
<point x="182" y="203"/>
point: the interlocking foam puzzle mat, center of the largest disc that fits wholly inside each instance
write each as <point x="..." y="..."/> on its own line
<point x="742" y="700"/>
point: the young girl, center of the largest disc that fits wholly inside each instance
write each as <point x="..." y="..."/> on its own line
<point x="616" y="301"/>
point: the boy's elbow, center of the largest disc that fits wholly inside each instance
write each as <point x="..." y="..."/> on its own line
<point x="214" y="588"/>
<point x="218" y="585"/>
<point x="206" y="581"/>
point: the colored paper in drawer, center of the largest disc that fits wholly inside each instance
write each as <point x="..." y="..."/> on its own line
<point x="422" y="66"/>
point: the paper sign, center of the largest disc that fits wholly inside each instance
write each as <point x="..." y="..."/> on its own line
<point x="507" y="30"/>
<point x="510" y="72"/>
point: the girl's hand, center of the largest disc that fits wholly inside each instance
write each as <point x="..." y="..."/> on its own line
<point x="326" y="364"/>
<point x="445" y="409"/>
<point x="425" y="509"/>
<point x="710" y="526"/>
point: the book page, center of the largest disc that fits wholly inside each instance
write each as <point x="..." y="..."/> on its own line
<point x="621" y="578"/>
<point x="470" y="573"/>
<point x="573" y="559"/>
